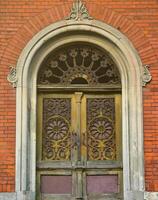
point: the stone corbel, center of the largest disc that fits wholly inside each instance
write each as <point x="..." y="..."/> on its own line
<point x="12" y="76"/>
<point x="146" y="76"/>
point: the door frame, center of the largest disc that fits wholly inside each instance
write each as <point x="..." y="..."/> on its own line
<point x="83" y="166"/>
<point x="131" y="70"/>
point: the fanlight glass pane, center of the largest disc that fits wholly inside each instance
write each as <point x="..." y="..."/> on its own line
<point x="102" y="184"/>
<point x="79" y="81"/>
<point x="56" y="184"/>
<point x="79" y="62"/>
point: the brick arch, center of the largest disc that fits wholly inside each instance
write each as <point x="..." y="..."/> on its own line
<point x="128" y="27"/>
<point x="57" y="13"/>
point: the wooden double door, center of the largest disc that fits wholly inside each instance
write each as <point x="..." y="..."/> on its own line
<point x="79" y="146"/>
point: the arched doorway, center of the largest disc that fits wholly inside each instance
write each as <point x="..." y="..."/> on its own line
<point x="125" y="57"/>
<point x="79" y="139"/>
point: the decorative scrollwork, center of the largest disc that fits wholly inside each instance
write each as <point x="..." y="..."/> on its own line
<point x="79" y="62"/>
<point x="12" y="76"/>
<point x="56" y="129"/>
<point x="100" y="106"/>
<point x="146" y="75"/>
<point x="57" y="106"/>
<point x="101" y="129"/>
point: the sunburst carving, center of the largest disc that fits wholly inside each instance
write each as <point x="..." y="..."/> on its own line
<point x="76" y="62"/>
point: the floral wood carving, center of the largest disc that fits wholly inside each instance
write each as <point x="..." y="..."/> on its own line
<point x="146" y="78"/>
<point x="79" y="12"/>
<point x="12" y="76"/>
<point x="56" y="129"/>
<point x="101" y="129"/>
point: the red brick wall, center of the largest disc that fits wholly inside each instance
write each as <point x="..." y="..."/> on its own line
<point x="21" y="20"/>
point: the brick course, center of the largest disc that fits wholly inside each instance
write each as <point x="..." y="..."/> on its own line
<point x="21" y="20"/>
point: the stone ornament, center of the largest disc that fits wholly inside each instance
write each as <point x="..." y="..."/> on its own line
<point x="12" y="76"/>
<point x="79" y="12"/>
<point x="146" y="77"/>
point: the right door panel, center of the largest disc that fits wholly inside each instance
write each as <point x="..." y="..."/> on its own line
<point x="101" y="146"/>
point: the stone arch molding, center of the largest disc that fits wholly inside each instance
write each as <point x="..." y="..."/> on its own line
<point x="131" y="70"/>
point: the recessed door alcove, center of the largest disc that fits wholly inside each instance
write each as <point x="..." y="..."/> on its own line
<point x="79" y="138"/>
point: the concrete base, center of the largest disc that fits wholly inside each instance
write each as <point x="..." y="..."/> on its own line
<point x="8" y="196"/>
<point x="134" y="196"/>
<point x="151" y="196"/>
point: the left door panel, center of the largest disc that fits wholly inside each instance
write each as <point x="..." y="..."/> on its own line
<point x="54" y="141"/>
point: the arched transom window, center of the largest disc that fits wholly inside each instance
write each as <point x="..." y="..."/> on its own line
<point x="79" y="64"/>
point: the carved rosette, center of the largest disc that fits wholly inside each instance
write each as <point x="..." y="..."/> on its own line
<point x="146" y="78"/>
<point x="12" y="76"/>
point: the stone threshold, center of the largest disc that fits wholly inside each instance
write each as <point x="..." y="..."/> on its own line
<point x="13" y="196"/>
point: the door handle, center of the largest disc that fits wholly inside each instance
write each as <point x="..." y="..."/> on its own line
<point x="75" y="140"/>
<point x="84" y="139"/>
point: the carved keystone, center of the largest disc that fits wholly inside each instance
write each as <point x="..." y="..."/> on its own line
<point x="79" y="12"/>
